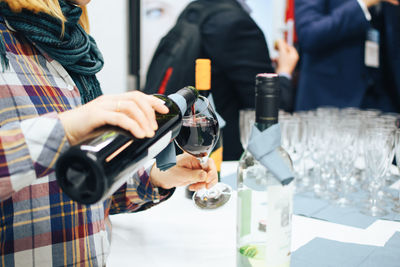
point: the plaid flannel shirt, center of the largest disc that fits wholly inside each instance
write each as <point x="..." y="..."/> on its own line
<point x="39" y="224"/>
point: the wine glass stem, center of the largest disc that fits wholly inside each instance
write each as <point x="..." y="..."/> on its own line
<point x="203" y="162"/>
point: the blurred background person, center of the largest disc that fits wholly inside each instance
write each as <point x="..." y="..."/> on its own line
<point x="350" y="54"/>
<point x="238" y="51"/>
<point x="158" y="17"/>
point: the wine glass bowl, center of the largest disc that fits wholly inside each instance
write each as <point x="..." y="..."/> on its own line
<point x="200" y="130"/>
<point x="198" y="136"/>
<point x="246" y="122"/>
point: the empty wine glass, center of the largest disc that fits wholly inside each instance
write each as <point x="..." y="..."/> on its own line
<point x="198" y="136"/>
<point x="396" y="207"/>
<point x="346" y="153"/>
<point x="246" y="122"/>
<point x="377" y="150"/>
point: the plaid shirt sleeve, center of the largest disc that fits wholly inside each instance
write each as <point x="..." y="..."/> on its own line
<point x="138" y="194"/>
<point x="28" y="150"/>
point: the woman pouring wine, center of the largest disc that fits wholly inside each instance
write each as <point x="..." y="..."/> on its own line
<point x="50" y="100"/>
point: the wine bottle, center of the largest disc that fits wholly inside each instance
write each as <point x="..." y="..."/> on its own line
<point x="264" y="205"/>
<point x="203" y="85"/>
<point x="96" y="168"/>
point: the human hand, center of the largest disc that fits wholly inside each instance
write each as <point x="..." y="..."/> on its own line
<point x="132" y="111"/>
<point x="370" y="3"/>
<point x="187" y="171"/>
<point x="288" y="57"/>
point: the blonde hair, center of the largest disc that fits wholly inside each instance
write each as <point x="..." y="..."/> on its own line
<point x="51" y="7"/>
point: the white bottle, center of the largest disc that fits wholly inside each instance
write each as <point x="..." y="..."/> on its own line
<point x="264" y="210"/>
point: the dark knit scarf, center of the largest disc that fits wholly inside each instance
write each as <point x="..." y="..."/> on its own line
<point x="76" y="51"/>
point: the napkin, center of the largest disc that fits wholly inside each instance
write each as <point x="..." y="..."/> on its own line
<point x="263" y="145"/>
<point x="221" y="121"/>
<point x="329" y="253"/>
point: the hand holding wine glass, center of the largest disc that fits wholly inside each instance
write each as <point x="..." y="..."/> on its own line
<point x="186" y="171"/>
<point x="198" y="136"/>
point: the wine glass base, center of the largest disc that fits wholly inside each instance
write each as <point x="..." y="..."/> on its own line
<point x="343" y="202"/>
<point x="396" y="209"/>
<point x="213" y="198"/>
<point x="374" y="211"/>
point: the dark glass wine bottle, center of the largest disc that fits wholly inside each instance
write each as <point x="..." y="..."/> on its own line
<point x="203" y="85"/>
<point x="95" y="169"/>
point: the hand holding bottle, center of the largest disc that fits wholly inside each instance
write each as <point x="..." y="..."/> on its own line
<point x="187" y="171"/>
<point x="132" y="111"/>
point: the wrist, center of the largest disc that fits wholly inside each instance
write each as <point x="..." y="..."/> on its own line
<point x="63" y="117"/>
<point x="283" y="70"/>
<point x="154" y="172"/>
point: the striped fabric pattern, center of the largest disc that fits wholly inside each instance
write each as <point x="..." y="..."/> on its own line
<point x="39" y="224"/>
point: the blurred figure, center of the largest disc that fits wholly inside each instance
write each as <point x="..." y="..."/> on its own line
<point x="391" y="24"/>
<point x="238" y="51"/>
<point x="350" y="54"/>
<point x="158" y="17"/>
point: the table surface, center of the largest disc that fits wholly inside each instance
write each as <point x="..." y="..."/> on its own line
<point x="176" y="233"/>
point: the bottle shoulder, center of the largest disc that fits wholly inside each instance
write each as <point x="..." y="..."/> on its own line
<point x="255" y="175"/>
<point x="247" y="159"/>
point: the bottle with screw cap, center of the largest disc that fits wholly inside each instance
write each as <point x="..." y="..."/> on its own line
<point x="264" y="203"/>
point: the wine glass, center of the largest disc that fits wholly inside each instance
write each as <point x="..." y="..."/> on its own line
<point x="396" y="207"/>
<point x="246" y="121"/>
<point x="377" y="152"/>
<point x="345" y="155"/>
<point x="198" y="136"/>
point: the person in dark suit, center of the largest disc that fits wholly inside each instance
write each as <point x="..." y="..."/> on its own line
<point x="238" y="52"/>
<point x="391" y="24"/>
<point x="336" y="68"/>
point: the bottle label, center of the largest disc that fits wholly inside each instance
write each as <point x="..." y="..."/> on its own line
<point x="244" y="207"/>
<point x="100" y="142"/>
<point x="152" y="151"/>
<point x="279" y="224"/>
<point x="158" y="146"/>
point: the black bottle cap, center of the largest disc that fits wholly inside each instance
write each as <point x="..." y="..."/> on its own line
<point x="80" y="177"/>
<point x="267" y="93"/>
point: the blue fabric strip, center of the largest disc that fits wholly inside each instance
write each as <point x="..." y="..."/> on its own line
<point x="180" y="101"/>
<point x="167" y="158"/>
<point x="221" y="121"/>
<point x="263" y="145"/>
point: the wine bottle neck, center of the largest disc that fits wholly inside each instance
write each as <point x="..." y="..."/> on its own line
<point x="267" y="100"/>
<point x="184" y="98"/>
<point x="267" y="109"/>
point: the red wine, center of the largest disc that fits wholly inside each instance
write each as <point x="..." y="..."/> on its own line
<point x="198" y="136"/>
<point x="193" y="110"/>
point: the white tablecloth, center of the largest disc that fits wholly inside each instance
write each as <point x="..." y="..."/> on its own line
<point x="177" y="234"/>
